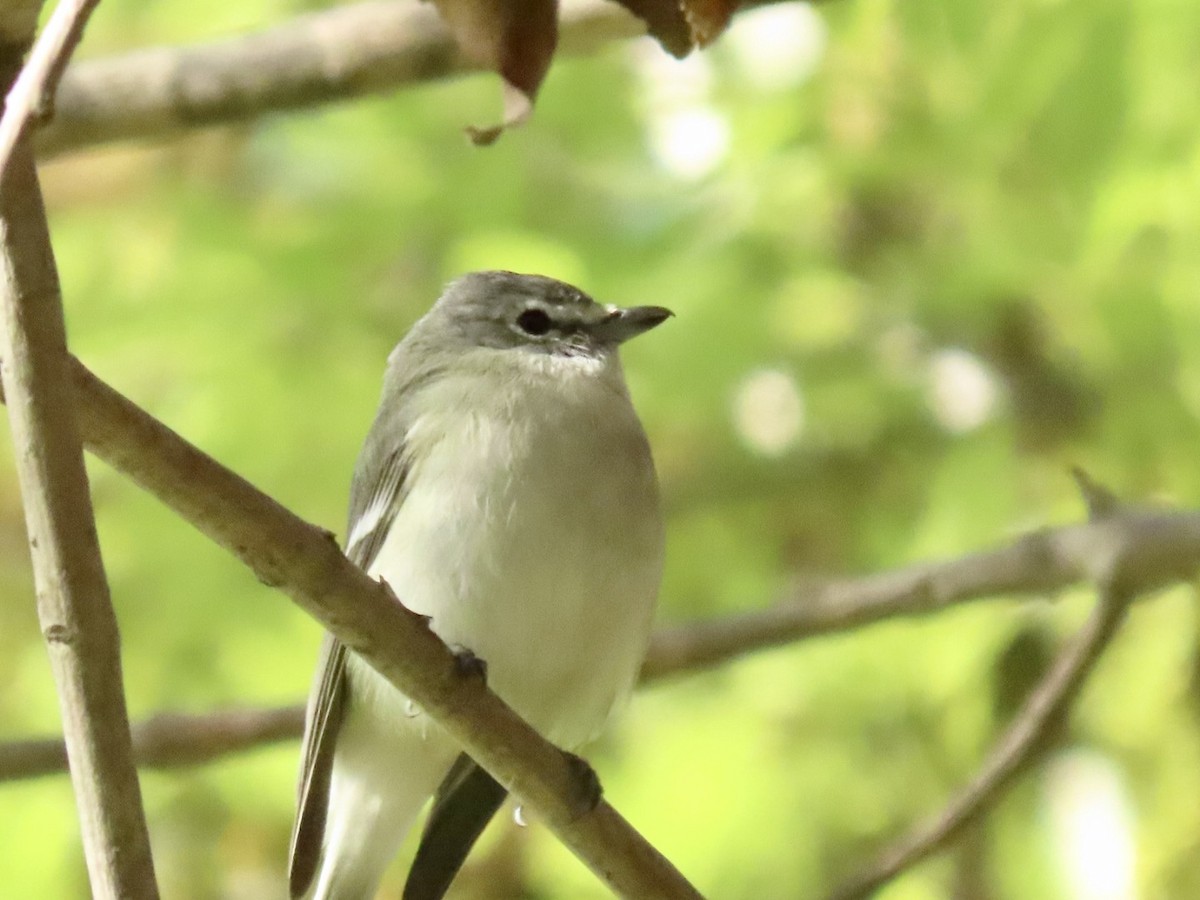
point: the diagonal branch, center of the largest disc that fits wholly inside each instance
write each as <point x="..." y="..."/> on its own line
<point x="1024" y="737"/>
<point x="74" y="607"/>
<point x="306" y="563"/>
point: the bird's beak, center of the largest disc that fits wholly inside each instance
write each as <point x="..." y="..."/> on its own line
<point x="622" y="324"/>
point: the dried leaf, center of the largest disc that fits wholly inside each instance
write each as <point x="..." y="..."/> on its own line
<point x="680" y="25"/>
<point x="666" y="22"/>
<point x="516" y="39"/>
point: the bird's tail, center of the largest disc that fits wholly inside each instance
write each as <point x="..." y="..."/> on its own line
<point x="374" y="798"/>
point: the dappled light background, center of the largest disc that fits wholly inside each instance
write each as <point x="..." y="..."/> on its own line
<point x="925" y="257"/>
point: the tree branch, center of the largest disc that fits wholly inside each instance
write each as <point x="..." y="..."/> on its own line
<point x="74" y="607"/>
<point x="337" y="54"/>
<point x="1016" y="748"/>
<point x="306" y="563"/>
<point x="168" y="740"/>
<point x="1157" y="547"/>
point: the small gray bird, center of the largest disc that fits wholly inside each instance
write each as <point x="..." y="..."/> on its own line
<point x="505" y="490"/>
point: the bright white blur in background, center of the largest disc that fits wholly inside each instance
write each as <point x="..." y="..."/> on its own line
<point x="768" y="411"/>
<point x="689" y="136"/>
<point x="1092" y="823"/>
<point x="962" y="391"/>
<point x="777" y="47"/>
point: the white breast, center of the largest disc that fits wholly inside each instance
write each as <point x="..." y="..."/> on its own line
<point x="532" y="534"/>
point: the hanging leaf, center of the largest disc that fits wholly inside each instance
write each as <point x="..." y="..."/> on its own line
<point x="515" y="38"/>
<point x="680" y="25"/>
<point x="665" y="22"/>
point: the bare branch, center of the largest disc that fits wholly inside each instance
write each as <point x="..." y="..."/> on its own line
<point x="74" y="606"/>
<point x="1156" y="547"/>
<point x="337" y="54"/>
<point x="1016" y="748"/>
<point x="306" y="563"/>
<point x="168" y="740"/>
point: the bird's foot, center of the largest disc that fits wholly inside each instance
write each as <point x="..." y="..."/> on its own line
<point x="586" y="789"/>
<point x="468" y="665"/>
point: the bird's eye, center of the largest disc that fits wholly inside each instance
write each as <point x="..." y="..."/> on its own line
<point x="534" y="321"/>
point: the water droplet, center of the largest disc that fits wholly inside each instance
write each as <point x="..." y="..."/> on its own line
<point x="411" y="710"/>
<point x="519" y="816"/>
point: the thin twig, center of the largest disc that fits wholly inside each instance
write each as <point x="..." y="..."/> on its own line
<point x="33" y="91"/>
<point x="1016" y="747"/>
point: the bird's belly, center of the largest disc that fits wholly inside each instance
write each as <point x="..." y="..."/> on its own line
<point x="544" y="564"/>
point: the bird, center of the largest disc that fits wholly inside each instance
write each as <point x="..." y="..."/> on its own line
<point x="506" y="491"/>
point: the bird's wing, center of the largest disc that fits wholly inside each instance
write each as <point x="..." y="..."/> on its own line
<point x="325" y="707"/>
<point x="465" y="802"/>
<point x="375" y="497"/>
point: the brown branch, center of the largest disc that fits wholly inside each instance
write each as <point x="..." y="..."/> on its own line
<point x="74" y="607"/>
<point x="306" y="563"/>
<point x="1156" y="548"/>
<point x="1016" y="748"/>
<point x="337" y="54"/>
<point x="168" y="740"/>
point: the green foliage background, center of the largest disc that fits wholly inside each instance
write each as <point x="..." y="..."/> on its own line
<point x="1017" y="183"/>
